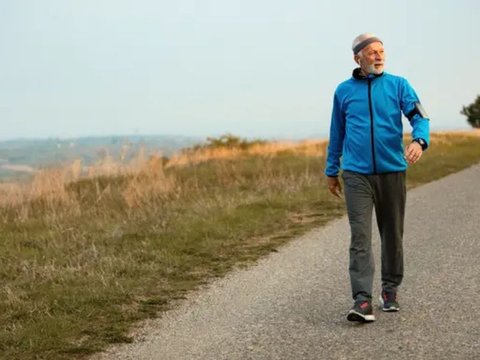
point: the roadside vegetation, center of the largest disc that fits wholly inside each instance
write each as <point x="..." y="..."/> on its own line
<point x="85" y="253"/>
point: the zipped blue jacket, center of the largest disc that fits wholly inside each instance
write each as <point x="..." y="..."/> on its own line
<point x="366" y="130"/>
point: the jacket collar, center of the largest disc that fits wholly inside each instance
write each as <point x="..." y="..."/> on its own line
<point x="359" y="76"/>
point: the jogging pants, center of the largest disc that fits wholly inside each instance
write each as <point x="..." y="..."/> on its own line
<point x="387" y="193"/>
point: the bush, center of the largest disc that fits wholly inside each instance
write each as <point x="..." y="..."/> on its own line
<point x="229" y="141"/>
<point x="472" y="112"/>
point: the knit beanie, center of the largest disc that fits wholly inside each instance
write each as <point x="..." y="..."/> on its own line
<point x="362" y="41"/>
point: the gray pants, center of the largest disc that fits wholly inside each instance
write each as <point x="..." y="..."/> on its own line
<point x="387" y="192"/>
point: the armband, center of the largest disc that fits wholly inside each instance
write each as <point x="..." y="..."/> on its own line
<point x="418" y="109"/>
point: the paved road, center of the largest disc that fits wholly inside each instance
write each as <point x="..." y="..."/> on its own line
<point x="292" y="304"/>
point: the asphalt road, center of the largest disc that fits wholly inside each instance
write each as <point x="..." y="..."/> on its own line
<point x="292" y="304"/>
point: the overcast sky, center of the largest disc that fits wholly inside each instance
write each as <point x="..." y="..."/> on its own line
<point x="256" y="68"/>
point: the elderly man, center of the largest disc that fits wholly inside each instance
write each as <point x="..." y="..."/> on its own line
<point x="366" y="133"/>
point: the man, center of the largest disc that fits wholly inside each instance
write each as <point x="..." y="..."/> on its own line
<point x="366" y="133"/>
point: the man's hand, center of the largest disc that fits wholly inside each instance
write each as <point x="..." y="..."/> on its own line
<point x="413" y="152"/>
<point x="334" y="186"/>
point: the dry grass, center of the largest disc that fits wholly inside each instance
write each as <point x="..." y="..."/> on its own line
<point x="147" y="175"/>
<point x="155" y="178"/>
<point x="447" y="137"/>
<point x="307" y="148"/>
<point x="150" y="183"/>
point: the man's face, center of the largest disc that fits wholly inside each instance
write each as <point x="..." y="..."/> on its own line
<point x="371" y="59"/>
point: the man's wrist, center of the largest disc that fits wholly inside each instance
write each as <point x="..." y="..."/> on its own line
<point x="421" y="142"/>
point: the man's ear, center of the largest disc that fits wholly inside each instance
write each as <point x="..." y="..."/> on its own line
<point x="356" y="58"/>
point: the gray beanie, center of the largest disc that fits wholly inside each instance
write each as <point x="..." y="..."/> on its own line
<point x="362" y="41"/>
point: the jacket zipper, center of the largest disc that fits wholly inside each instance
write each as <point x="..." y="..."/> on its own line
<point x="371" y="125"/>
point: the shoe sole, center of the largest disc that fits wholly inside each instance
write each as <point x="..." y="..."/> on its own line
<point x="389" y="309"/>
<point x="356" y="316"/>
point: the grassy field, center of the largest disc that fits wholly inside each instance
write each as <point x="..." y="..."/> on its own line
<point x="84" y="258"/>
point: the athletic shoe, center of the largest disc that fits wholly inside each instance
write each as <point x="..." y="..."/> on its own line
<point x="388" y="299"/>
<point x="361" y="311"/>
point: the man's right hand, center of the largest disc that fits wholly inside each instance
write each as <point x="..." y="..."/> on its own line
<point x="334" y="186"/>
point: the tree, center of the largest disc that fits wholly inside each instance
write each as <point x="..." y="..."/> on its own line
<point x="472" y="112"/>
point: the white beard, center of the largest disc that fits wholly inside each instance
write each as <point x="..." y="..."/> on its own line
<point x="372" y="70"/>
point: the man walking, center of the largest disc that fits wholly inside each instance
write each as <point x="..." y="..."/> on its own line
<point x="366" y="134"/>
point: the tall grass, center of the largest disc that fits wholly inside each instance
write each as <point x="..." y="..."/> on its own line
<point x="84" y="253"/>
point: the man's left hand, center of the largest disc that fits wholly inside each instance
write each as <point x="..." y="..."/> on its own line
<point x="413" y="152"/>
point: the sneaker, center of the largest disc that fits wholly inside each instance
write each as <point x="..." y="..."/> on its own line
<point x="361" y="311"/>
<point x="388" y="299"/>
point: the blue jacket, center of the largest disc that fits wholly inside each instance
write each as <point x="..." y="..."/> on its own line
<point x="366" y="128"/>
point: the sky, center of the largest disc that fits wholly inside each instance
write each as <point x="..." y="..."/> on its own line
<point x="253" y="68"/>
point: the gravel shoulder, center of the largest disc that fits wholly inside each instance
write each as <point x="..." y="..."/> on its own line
<point x="292" y="303"/>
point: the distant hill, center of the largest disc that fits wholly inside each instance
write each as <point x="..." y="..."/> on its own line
<point x="19" y="158"/>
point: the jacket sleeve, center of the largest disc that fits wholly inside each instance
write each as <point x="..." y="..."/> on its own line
<point x="337" y="135"/>
<point x="419" y="121"/>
